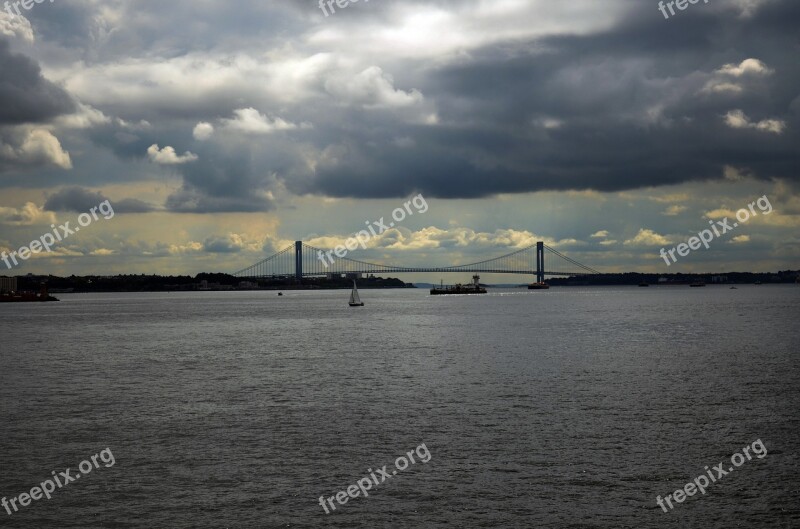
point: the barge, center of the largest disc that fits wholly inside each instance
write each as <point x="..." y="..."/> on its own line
<point x="27" y="297"/>
<point x="472" y="288"/>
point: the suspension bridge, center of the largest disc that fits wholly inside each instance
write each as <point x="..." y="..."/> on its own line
<point x="303" y="260"/>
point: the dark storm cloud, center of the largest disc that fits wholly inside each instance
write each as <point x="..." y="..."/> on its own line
<point x="231" y="179"/>
<point x="153" y="26"/>
<point x="26" y="96"/>
<point x="225" y="183"/>
<point x="79" y="199"/>
<point x="133" y="205"/>
<point x="609" y="110"/>
<point x="73" y="199"/>
<point x="221" y="245"/>
<point x="630" y="105"/>
<point x="125" y="142"/>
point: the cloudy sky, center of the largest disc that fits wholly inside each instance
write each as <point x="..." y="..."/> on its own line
<point x="223" y="131"/>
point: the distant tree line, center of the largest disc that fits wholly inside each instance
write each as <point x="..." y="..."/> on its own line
<point x="634" y="278"/>
<point x="202" y="281"/>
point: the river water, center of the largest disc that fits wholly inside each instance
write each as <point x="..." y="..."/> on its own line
<point x="573" y="407"/>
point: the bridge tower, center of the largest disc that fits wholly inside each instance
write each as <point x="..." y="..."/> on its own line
<point x="298" y="260"/>
<point x="540" y="262"/>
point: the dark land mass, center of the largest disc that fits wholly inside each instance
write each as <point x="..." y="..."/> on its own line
<point x="634" y="278"/>
<point x="201" y="282"/>
<point x="219" y="281"/>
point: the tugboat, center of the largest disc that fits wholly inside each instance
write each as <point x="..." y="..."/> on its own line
<point x="474" y="288"/>
<point x="25" y="297"/>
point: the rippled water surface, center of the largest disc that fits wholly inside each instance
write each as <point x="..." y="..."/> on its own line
<point x="570" y="407"/>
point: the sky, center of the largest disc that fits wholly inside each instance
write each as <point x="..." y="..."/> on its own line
<point x="221" y="132"/>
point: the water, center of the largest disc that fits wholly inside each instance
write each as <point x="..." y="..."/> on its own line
<point x="573" y="407"/>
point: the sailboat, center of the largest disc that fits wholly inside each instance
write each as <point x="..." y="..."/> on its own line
<point x="355" y="301"/>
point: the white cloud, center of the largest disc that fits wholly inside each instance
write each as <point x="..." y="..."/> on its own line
<point x="602" y="234"/>
<point x="737" y="119"/>
<point x="27" y="215"/>
<point x="102" y="252"/>
<point x="190" y="247"/>
<point x="551" y="123"/>
<point x="746" y="67"/>
<point x="36" y="147"/>
<point x="670" y="197"/>
<point x="720" y="213"/>
<point x="647" y="237"/>
<point x="168" y="156"/>
<point x="142" y="125"/>
<point x="371" y="88"/>
<point x="736" y="174"/>
<point x="718" y="87"/>
<point x="85" y="117"/>
<point x="721" y="81"/>
<point x="203" y="131"/>
<point x="739" y="239"/>
<point x="250" y="120"/>
<point x="455" y="238"/>
<point x="15" y="26"/>
<point x="416" y="31"/>
<point x="674" y="210"/>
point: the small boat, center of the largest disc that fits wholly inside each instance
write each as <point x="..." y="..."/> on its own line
<point x="280" y="293"/>
<point x="698" y="284"/>
<point x="644" y="284"/>
<point x="355" y="301"/>
<point x="734" y="288"/>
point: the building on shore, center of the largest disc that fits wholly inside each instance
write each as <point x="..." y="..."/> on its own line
<point x="8" y="284"/>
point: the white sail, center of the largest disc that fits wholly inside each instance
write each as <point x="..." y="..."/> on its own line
<point x="354" y="299"/>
